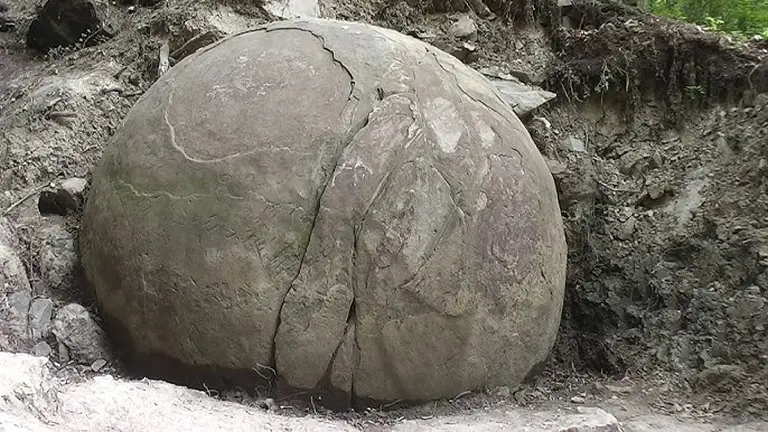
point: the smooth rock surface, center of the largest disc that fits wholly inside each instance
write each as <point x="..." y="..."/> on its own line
<point x="402" y="242"/>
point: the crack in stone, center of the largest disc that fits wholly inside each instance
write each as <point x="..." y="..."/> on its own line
<point x="458" y="84"/>
<point x="157" y="194"/>
<point x="180" y="149"/>
<point x="330" y="51"/>
<point x="439" y="238"/>
<point x="352" y="134"/>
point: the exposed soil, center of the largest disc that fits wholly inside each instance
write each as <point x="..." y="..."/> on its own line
<point x="657" y="143"/>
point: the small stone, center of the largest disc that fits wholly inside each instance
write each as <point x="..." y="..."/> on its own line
<point x="578" y="400"/>
<point x="571" y="143"/>
<point x="98" y="365"/>
<point x="58" y="257"/>
<point x="42" y="349"/>
<point x="86" y="341"/>
<point x="40" y="317"/>
<point x="71" y="193"/>
<point x="15" y="294"/>
<point x="464" y="27"/>
<point x="521" y="97"/>
<point x="627" y="228"/>
<point x="619" y="389"/>
<point x="64" y="356"/>
<point x="557" y="167"/>
<point x="503" y="392"/>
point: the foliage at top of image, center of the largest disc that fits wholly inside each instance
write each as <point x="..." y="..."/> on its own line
<point x="738" y="17"/>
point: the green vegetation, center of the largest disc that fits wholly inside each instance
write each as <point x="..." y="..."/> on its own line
<point x="738" y="17"/>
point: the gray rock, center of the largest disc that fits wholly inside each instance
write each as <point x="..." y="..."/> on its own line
<point x="75" y="328"/>
<point x="42" y="349"/>
<point x="379" y="249"/>
<point x="98" y="365"/>
<point x="289" y="9"/>
<point x="464" y="27"/>
<point x="71" y="192"/>
<point x="571" y="143"/>
<point x="58" y="257"/>
<point x="523" y="98"/>
<point x="15" y="291"/>
<point x="40" y="318"/>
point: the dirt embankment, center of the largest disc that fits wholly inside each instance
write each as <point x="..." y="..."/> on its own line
<point x="656" y="141"/>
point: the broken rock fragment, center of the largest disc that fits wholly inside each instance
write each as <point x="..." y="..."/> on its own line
<point x="523" y="98"/>
<point x="57" y="255"/>
<point x="75" y="328"/>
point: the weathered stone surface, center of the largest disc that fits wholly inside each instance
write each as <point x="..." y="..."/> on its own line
<point x="392" y="233"/>
<point x="85" y="340"/>
<point x="58" y="257"/>
<point x="63" y="23"/>
<point x="15" y="294"/>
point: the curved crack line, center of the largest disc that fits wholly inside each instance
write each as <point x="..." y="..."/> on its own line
<point x="157" y="194"/>
<point x="351" y="135"/>
<point x="180" y="149"/>
<point x="353" y="84"/>
<point x="463" y="90"/>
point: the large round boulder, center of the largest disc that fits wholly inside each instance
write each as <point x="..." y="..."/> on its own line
<point x="335" y="205"/>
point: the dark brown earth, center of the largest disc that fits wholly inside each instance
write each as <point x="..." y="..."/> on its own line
<point x="656" y="140"/>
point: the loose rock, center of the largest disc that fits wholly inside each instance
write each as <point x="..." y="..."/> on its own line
<point x="42" y="349"/>
<point x="15" y="292"/>
<point x="521" y="97"/>
<point x="578" y="400"/>
<point x="85" y="340"/>
<point x="40" y="318"/>
<point x="66" y="23"/>
<point x="464" y="27"/>
<point x="65" y="200"/>
<point x="58" y="257"/>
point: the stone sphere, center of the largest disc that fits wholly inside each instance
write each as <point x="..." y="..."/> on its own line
<point x="330" y="206"/>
